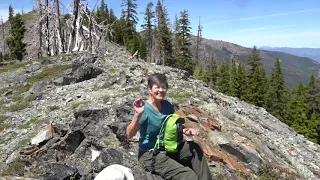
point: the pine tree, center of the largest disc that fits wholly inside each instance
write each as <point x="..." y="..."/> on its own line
<point x="242" y="81"/>
<point x="130" y="13"/>
<point x="107" y="14"/>
<point x="176" y="30"/>
<point x="134" y="44"/>
<point x="14" y="42"/>
<point x="130" y="16"/>
<point x="112" y="17"/>
<point x="223" y="81"/>
<point x="198" y="72"/>
<point x="317" y="109"/>
<point x="311" y="99"/>
<point x="119" y="31"/>
<point x="234" y="86"/>
<point x="212" y="74"/>
<point x="102" y="13"/>
<point x="148" y="27"/>
<point x="296" y="111"/>
<point x="275" y="97"/>
<point x="164" y="36"/>
<point x="313" y="106"/>
<point x="301" y="89"/>
<point x="143" y="49"/>
<point x="313" y="124"/>
<point x="184" y="59"/>
<point x="10" y="13"/>
<point x="257" y="79"/>
<point x="317" y="93"/>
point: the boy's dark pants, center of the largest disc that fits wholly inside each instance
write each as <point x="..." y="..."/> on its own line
<point x="187" y="164"/>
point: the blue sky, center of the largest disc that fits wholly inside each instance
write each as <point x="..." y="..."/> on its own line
<point x="278" y="23"/>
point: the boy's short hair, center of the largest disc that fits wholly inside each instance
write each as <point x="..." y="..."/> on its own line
<point x="157" y="78"/>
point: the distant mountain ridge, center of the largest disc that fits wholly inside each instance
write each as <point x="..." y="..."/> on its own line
<point x="296" y="68"/>
<point x="312" y="53"/>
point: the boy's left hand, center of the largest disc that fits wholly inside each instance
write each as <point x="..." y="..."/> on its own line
<point x="190" y="132"/>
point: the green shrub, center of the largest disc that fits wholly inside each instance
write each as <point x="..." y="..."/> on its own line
<point x="96" y="87"/>
<point x="16" y="98"/>
<point x="181" y="97"/>
<point x="48" y="73"/>
<point x="106" y="99"/>
<point x="112" y="70"/>
<point x="21" y="89"/>
<point x="18" y="106"/>
<point x="2" y="118"/>
<point x="135" y="89"/>
<point x="3" y="90"/>
<point x="125" y="94"/>
<point x="27" y="16"/>
<point x="14" y="66"/>
<point x="76" y="105"/>
<point x="49" y="57"/>
<point x="271" y="171"/>
<point x="32" y="121"/>
<point x="3" y="125"/>
<point x="52" y="108"/>
<point x="30" y="98"/>
<point x="107" y="83"/>
<point x="16" y="168"/>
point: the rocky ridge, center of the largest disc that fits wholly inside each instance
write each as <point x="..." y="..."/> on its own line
<point x="87" y="99"/>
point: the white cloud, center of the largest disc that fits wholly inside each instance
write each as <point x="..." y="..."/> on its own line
<point x="256" y="29"/>
<point x="263" y="16"/>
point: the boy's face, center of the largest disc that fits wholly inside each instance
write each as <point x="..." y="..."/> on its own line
<point x="158" y="91"/>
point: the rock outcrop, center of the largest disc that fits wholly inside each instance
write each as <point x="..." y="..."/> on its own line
<point x="88" y="101"/>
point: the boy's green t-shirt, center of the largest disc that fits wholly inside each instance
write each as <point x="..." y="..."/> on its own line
<point x="150" y="124"/>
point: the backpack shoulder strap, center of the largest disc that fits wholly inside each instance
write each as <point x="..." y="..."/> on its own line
<point x="157" y="145"/>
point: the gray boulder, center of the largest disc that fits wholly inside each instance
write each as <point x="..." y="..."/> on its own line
<point x="34" y="67"/>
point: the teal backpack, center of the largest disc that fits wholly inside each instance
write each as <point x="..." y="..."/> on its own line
<point x="170" y="135"/>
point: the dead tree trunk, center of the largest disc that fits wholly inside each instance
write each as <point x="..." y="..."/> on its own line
<point x="3" y="38"/>
<point x="58" y="27"/>
<point x="47" y="28"/>
<point x="78" y="29"/>
<point x="74" y="27"/>
<point x="82" y="38"/>
<point x="40" y="29"/>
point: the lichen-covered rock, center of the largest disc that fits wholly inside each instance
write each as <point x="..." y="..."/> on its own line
<point x="34" y="67"/>
<point x="59" y="171"/>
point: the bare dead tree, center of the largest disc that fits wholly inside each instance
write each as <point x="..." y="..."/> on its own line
<point x="58" y="27"/>
<point x="40" y="28"/>
<point x="199" y="40"/>
<point x="3" y="37"/>
<point x="74" y="27"/>
<point x="86" y="38"/>
<point x="47" y="27"/>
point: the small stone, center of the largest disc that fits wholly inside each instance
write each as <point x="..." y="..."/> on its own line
<point x="11" y="158"/>
<point x="69" y="99"/>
